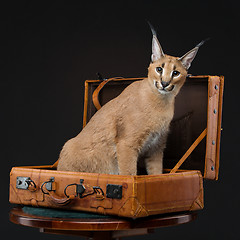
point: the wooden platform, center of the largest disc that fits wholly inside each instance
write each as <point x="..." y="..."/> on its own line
<point x="99" y="228"/>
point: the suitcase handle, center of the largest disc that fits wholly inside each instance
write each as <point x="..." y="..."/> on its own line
<point x="49" y="187"/>
<point x="81" y="191"/>
<point x="68" y="199"/>
<point x="60" y="201"/>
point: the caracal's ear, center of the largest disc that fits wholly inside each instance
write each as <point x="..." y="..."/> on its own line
<point x="187" y="58"/>
<point x="157" y="51"/>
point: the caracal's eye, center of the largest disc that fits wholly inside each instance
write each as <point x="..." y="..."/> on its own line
<point x="175" y="73"/>
<point x="159" y="69"/>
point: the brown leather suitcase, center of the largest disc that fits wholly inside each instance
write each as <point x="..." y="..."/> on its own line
<point x="192" y="153"/>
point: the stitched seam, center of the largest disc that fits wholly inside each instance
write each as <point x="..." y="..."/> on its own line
<point x="197" y="200"/>
<point x="136" y="212"/>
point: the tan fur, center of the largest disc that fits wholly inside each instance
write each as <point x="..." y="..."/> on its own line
<point x="133" y="125"/>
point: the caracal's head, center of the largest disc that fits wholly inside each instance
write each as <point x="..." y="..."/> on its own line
<point x="167" y="74"/>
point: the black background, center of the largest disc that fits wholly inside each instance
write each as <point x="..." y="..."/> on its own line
<point x="49" y="49"/>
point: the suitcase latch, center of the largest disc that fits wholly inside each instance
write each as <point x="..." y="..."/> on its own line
<point x="24" y="183"/>
<point x="114" y="191"/>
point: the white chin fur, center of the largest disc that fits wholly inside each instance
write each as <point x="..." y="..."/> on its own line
<point x="163" y="91"/>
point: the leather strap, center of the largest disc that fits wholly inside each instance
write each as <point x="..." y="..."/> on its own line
<point x="54" y="166"/>
<point x="189" y="151"/>
<point x="60" y="201"/>
<point x="102" y="84"/>
<point x="97" y="91"/>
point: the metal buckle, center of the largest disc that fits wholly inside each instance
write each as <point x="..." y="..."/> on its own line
<point x="48" y="185"/>
<point x="79" y="189"/>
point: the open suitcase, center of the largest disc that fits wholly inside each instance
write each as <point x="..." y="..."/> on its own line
<point x="192" y="152"/>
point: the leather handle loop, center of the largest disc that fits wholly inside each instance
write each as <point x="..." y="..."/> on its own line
<point x="95" y="95"/>
<point x="60" y="201"/>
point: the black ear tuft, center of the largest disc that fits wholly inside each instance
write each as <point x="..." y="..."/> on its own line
<point x="157" y="51"/>
<point x="189" y="56"/>
<point x="202" y="42"/>
<point x="152" y="28"/>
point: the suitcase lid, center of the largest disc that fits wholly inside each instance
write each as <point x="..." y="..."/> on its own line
<point x="198" y="106"/>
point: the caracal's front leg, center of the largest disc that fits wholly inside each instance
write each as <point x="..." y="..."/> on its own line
<point x="127" y="159"/>
<point x="154" y="164"/>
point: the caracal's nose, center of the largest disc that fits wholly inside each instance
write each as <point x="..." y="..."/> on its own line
<point x="164" y="84"/>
